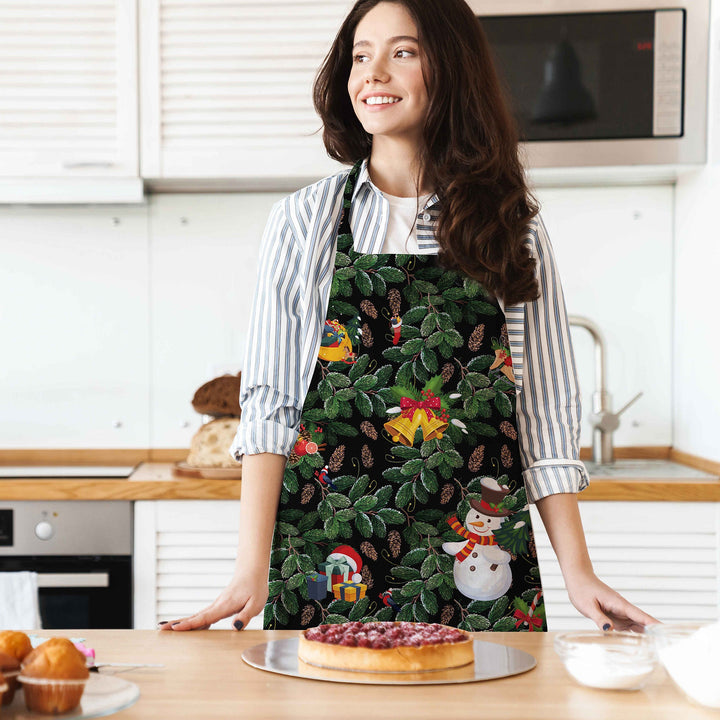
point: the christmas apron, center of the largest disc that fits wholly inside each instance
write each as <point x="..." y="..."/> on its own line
<point x="403" y="496"/>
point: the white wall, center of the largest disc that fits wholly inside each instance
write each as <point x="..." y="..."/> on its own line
<point x="118" y="314"/>
<point x="696" y="416"/>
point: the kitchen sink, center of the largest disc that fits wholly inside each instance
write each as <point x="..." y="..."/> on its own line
<point x="647" y="470"/>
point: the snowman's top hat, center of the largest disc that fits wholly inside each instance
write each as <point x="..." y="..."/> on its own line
<point x="491" y="496"/>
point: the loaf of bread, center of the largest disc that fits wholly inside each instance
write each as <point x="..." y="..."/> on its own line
<point x="210" y="446"/>
<point x="219" y="397"/>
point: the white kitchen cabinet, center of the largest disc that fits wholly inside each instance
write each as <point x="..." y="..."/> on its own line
<point x="69" y="102"/>
<point x="226" y="89"/>
<point x="662" y="556"/>
<point x="184" y="556"/>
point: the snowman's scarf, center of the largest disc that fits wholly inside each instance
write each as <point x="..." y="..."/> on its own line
<point x="472" y="538"/>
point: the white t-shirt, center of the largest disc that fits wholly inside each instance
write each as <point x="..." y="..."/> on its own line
<point x="401" y="236"/>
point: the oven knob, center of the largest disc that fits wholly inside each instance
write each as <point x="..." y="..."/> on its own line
<point x="44" y="530"/>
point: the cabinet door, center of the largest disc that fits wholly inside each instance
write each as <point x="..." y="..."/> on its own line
<point x="226" y="88"/>
<point x="184" y="556"/>
<point x="661" y="556"/>
<point x="68" y="100"/>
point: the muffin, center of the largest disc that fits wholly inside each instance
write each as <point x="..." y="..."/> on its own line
<point x="54" y="677"/>
<point x="15" y="643"/>
<point x="9" y="669"/>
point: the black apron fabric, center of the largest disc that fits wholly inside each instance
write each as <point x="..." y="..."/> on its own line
<point x="403" y="497"/>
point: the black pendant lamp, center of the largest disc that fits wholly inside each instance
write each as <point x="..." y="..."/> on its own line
<point x="563" y="97"/>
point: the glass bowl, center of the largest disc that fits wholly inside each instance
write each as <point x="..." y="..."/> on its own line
<point x="690" y="652"/>
<point x="607" y="660"/>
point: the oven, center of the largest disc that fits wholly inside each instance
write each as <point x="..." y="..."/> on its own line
<point x="82" y="553"/>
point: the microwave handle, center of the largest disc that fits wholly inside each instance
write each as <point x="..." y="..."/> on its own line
<point x="73" y="580"/>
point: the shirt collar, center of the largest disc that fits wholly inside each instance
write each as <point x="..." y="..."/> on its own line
<point x="363" y="180"/>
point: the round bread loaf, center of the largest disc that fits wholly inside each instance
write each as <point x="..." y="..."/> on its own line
<point x="220" y="396"/>
<point x="210" y="446"/>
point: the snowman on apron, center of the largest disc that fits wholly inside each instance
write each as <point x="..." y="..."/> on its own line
<point x="482" y="568"/>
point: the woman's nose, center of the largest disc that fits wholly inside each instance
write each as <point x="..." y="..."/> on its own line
<point x="376" y="72"/>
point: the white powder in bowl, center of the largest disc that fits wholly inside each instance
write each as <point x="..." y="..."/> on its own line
<point x="601" y="667"/>
<point x="693" y="663"/>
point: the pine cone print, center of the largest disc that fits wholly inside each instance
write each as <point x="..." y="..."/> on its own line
<point x="367" y="336"/>
<point x="476" y="459"/>
<point x="369" y="309"/>
<point x="506" y="456"/>
<point x="476" y="338"/>
<point x="369" y="429"/>
<point x="307" y="493"/>
<point x="394" y="543"/>
<point x="368" y="549"/>
<point x="507" y="429"/>
<point x="447" y="371"/>
<point x="307" y="615"/>
<point x="367" y="577"/>
<point x="394" y="301"/>
<point x="531" y="548"/>
<point x="336" y="459"/>
<point x="446" y="615"/>
<point x="504" y="340"/>
<point x="448" y="490"/>
<point x="366" y="456"/>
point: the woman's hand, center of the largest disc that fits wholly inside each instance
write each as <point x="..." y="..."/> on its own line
<point x="604" y="606"/>
<point x="243" y="598"/>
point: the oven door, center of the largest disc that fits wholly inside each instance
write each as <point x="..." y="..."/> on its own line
<point x="80" y="591"/>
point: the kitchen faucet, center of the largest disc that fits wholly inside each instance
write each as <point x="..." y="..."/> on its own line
<point x="604" y="421"/>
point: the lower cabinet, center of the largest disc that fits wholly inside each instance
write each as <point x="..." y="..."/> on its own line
<point x="662" y="556"/>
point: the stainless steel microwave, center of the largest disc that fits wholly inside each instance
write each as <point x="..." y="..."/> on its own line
<point x="604" y="82"/>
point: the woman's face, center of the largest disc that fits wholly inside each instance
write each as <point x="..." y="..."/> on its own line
<point x="386" y="84"/>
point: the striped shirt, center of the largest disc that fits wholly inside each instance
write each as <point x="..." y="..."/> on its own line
<point x="297" y="260"/>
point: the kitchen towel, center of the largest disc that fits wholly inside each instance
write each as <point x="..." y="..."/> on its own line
<point x="19" y="609"/>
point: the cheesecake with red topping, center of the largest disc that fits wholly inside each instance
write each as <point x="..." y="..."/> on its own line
<point x="386" y="647"/>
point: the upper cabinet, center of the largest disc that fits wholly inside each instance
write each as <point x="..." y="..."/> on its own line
<point x="68" y="101"/>
<point x="226" y="90"/>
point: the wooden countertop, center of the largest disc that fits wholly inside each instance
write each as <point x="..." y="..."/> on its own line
<point x="156" y="481"/>
<point x="205" y="677"/>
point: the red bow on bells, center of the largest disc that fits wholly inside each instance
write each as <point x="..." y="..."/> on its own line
<point x="408" y="406"/>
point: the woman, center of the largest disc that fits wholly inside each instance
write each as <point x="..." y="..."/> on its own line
<point x="410" y="324"/>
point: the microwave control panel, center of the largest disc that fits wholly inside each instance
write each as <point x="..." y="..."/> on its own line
<point x="6" y="528"/>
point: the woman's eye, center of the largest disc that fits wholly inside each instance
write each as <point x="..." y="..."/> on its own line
<point x="359" y="58"/>
<point x="405" y="53"/>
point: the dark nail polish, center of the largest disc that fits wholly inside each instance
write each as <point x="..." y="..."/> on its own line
<point x="607" y="626"/>
<point x="164" y="622"/>
<point x="238" y="624"/>
<point x="176" y="623"/>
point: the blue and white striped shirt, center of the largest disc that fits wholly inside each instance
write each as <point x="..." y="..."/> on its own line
<point x="295" y="271"/>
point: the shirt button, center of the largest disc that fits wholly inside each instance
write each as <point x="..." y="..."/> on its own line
<point x="427" y="217"/>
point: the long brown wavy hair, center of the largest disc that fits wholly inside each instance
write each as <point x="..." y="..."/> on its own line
<point x="469" y="155"/>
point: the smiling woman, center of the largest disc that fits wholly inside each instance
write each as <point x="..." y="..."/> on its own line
<point x="409" y="382"/>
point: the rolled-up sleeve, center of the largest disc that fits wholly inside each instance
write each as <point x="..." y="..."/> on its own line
<point x="270" y="382"/>
<point x="548" y="406"/>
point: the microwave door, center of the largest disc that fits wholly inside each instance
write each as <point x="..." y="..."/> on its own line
<point x="586" y="75"/>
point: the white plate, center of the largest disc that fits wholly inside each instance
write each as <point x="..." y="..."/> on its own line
<point x="492" y="661"/>
<point x="104" y="695"/>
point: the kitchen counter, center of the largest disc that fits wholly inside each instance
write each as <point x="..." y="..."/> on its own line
<point x="205" y="677"/>
<point x="156" y="481"/>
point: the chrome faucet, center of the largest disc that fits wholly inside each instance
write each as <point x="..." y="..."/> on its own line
<point x="604" y="421"/>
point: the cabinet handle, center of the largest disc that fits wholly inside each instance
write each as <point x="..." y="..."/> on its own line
<point x="71" y="580"/>
<point x="74" y="165"/>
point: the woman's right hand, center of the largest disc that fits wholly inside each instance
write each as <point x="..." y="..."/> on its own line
<point x="243" y="598"/>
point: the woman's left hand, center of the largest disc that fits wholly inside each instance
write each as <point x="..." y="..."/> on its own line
<point x="606" y="607"/>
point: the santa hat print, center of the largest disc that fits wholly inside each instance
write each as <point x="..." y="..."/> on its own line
<point x="352" y="558"/>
